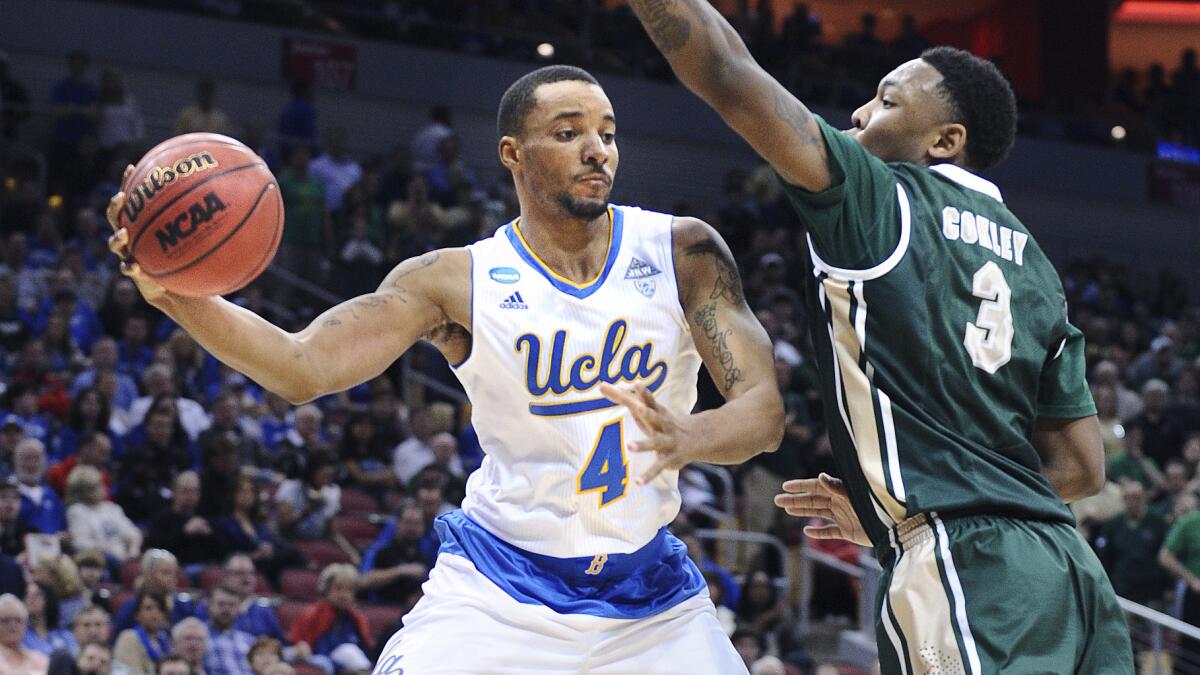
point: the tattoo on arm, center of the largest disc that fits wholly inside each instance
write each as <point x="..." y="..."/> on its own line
<point x="705" y="318"/>
<point x="728" y="285"/>
<point x="391" y="290"/>
<point x="794" y="113"/>
<point x="668" y="30"/>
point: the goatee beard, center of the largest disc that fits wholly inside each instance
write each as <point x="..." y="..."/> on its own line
<point x="585" y="210"/>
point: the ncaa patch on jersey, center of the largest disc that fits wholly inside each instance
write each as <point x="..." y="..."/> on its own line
<point x="504" y="275"/>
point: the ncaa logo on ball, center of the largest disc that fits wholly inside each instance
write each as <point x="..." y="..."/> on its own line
<point x="504" y="275"/>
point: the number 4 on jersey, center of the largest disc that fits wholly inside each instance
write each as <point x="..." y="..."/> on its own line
<point x="606" y="468"/>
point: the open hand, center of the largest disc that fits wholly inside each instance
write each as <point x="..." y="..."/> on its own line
<point x="665" y="434"/>
<point x="823" y="497"/>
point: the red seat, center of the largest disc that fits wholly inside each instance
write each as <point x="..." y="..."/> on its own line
<point x="300" y="584"/>
<point x="320" y="553"/>
<point x="306" y="669"/>
<point x="380" y="616"/>
<point x="287" y="611"/>
<point x="357" y="501"/>
<point x="357" y="528"/>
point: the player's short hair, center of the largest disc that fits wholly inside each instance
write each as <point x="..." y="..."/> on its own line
<point x="519" y="99"/>
<point x="980" y="99"/>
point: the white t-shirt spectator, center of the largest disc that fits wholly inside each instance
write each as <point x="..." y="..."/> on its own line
<point x="120" y="123"/>
<point x="191" y="415"/>
<point x="104" y="526"/>
<point x="413" y="455"/>
<point x="425" y="145"/>
<point x="337" y="176"/>
<point x="313" y="521"/>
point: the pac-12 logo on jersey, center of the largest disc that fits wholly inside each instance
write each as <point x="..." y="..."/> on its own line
<point x="616" y="363"/>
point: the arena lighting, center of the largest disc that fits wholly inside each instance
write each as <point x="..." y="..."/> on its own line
<point x="545" y="50"/>
<point x="1156" y="11"/>
<point x="1118" y="133"/>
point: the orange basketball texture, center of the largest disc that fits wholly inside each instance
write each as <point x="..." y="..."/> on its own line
<point x="204" y="214"/>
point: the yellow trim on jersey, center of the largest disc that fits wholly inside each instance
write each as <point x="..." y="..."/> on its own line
<point x="517" y="228"/>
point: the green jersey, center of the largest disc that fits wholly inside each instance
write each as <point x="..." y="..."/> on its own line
<point x="941" y="331"/>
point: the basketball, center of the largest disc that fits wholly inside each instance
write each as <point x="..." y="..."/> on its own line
<point x="204" y="214"/>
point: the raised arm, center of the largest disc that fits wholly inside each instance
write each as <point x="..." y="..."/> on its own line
<point x="348" y="344"/>
<point x="710" y="58"/>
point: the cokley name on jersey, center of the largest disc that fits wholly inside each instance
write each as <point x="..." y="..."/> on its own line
<point x="976" y="230"/>
<point x="615" y="363"/>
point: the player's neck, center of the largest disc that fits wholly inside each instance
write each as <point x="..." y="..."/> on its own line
<point x="572" y="247"/>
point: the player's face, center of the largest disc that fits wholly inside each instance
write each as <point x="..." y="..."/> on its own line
<point x="906" y="116"/>
<point x="569" y="147"/>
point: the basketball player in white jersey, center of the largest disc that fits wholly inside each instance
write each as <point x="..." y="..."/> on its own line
<point x="559" y="560"/>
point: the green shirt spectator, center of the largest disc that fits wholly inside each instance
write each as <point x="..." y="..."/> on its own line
<point x="1128" y="546"/>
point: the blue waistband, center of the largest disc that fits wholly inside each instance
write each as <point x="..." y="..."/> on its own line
<point x="635" y="585"/>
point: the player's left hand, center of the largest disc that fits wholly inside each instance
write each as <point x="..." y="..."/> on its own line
<point x="665" y="434"/>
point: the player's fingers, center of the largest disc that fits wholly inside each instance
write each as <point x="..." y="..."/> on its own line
<point x="118" y="243"/>
<point x="633" y="404"/>
<point x="805" y="499"/>
<point x="832" y="485"/>
<point x="656" y="468"/>
<point x="810" y="513"/>
<point x="645" y="396"/>
<point x="113" y="212"/>
<point x="824" y="532"/>
<point x="801" y="485"/>
<point x="126" y="174"/>
<point x="131" y="269"/>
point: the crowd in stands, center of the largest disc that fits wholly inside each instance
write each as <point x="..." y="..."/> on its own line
<point x="160" y="512"/>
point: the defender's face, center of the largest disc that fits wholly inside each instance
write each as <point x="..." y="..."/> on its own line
<point x="901" y="123"/>
<point x="570" y="147"/>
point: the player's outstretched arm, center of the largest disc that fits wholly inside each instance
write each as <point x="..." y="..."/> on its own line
<point x="348" y="344"/>
<point x="710" y="58"/>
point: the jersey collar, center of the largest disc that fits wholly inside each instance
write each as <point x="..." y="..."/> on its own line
<point x="969" y="180"/>
<point x="558" y="281"/>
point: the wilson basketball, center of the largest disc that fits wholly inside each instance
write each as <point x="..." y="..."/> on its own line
<point x="204" y="214"/>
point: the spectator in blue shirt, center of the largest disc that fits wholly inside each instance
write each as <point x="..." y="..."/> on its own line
<point x="73" y="103"/>
<point x="104" y="360"/>
<point x="133" y="351"/>
<point x="228" y="646"/>
<point x="298" y="121"/>
<point x="160" y="575"/>
<point x="41" y="509"/>
<point x="23" y="399"/>
<point x="255" y="616"/>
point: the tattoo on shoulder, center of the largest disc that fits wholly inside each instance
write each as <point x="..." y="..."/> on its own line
<point x="668" y="30"/>
<point x="705" y="319"/>
<point x="798" y="117"/>
<point x="728" y="284"/>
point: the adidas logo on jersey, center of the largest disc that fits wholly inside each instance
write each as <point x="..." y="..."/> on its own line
<point x="514" y="301"/>
<point x="640" y="270"/>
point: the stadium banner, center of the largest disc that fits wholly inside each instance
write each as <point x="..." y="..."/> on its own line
<point x="330" y="65"/>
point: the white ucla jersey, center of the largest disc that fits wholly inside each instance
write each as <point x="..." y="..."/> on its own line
<point x="556" y="478"/>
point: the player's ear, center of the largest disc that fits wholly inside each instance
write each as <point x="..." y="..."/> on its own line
<point x="510" y="154"/>
<point x="951" y="142"/>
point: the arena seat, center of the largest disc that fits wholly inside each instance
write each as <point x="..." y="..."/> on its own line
<point x="357" y="528"/>
<point x="320" y="553"/>
<point x="300" y="584"/>
<point x="380" y="616"/>
<point x="306" y="669"/>
<point x="357" y="501"/>
<point x="287" y="611"/>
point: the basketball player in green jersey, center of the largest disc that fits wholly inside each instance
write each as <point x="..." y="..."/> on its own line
<point x="954" y="387"/>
